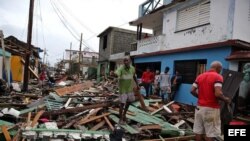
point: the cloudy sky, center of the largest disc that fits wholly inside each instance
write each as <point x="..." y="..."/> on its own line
<point x="89" y="17"/>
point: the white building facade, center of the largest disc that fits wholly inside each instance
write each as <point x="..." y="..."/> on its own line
<point x="195" y="22"/>
<point x="190" y="34"/>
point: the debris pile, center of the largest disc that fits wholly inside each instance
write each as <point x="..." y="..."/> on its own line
<point x="90" y="111"/>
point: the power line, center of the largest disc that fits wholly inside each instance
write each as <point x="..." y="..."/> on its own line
<point x="41" y="17"/>
<point x="70" y="28"/>
<point x="55" y="9"/>
<point x="63" y="20"/>
<point x="36" y="23"/>
<point x="72" y="15"/>
<point x="83" y="42"/>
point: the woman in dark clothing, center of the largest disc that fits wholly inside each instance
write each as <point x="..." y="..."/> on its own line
<point x="175" y="84"/>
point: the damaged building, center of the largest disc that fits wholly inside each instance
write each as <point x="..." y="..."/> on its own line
<point x="188" y="35"/>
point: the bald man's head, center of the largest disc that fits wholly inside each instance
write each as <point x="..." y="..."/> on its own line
<point x="217" y="66"/>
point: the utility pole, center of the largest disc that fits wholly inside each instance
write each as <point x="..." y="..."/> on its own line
<point x="70" y="64"/>
<point x="29" y="38"/>
<point x="44" y="54"/>
<point x="80" y="56"/>
<point x="63" y="61"/>
<point x="47" y="62"/>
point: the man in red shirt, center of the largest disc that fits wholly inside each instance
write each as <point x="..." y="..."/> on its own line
<point x="147" y="79"/>
<point x="208" y="89"/>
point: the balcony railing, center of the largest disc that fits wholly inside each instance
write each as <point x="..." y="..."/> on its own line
<point x="151" y="44"/>
<point x="86" y="60"/>
<point x="133" y="46"/>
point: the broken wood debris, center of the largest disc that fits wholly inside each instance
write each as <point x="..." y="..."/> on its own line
<point x="78" y="87"/>
<point x="91" y="111"/>
<point x="6" y="133"/>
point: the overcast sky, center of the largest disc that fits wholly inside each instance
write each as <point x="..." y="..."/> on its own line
<point x="89" y="17"/>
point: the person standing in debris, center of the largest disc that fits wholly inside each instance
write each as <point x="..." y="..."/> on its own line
<point x="42" y="77"/>
<point x="147" y="80"/>
<point x="208" y="89"/>
<point x="175" y="84"/>
<point x="3" y="87"/>
<point x="157" y="83"/>
<point x="165" y="84"/>
<point x="127" y="79"/>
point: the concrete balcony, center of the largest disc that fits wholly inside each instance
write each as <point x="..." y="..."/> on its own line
<point x="86" y="61"/>
<point x="117" y="56"/>
<point x="89" y="61"/>
<point x="151" y="44"/>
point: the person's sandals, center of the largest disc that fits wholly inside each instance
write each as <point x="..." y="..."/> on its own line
<point x="121" y="122"/>
<point x="125" y="120"/>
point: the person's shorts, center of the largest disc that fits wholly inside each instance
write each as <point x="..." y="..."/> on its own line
<point x="165" y="89"/>
<point x="129" y="97"/>
<point x="207" y="121"/>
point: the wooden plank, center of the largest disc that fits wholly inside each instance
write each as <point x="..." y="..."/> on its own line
<point x="92" y="119"/>
<point x="67" y="103"/>
<point x="109" y="123"/>
<point x="32" y="71"/>
<point x="154" y="100"/>
<point x="25" y="95"/>
<point x="179" y="138"/>
<point x="151" y="109"/>
<point x="76" y="109"/>
<point x="70" y="123"/>
<point x="97" y="126"/>
<point x="74" y="88"/>
<point x="155" y="105"/>
<point x="17" y="137"/>
<point x="93" y="112"/>
<point x="6" y="133"/>
<point x="150" y="127"/>
<point x="28" y="119"/>
<point x="162" y="139"/>
<point x="162" y="108"/>
<point x="38" y="115"/>
<point x="130" y="129"/>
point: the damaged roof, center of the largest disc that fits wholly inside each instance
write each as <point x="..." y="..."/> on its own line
<point x="18" y="47"/>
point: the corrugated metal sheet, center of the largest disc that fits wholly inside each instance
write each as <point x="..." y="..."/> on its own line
<point x="193" y="16"/>
<point x="230" y="87"/>
<point x="231" y="83"/>
<point x="53" y="105"/>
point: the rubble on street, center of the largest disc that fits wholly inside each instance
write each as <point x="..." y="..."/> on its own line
<point x="89" y="111"/>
